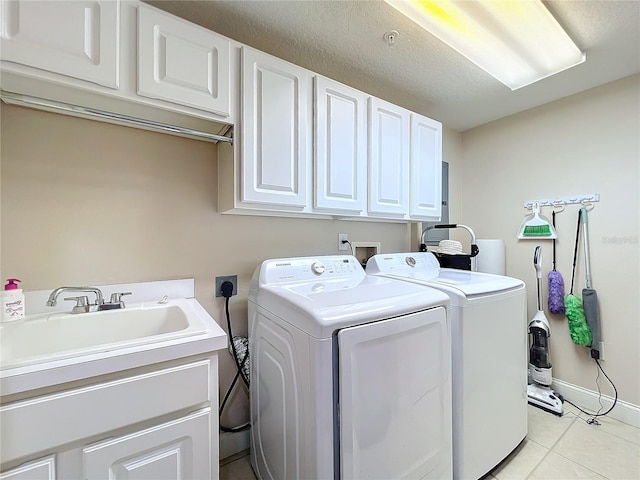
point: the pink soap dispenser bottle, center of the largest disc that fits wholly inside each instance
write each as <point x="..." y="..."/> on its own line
<point x="12" y="303"/>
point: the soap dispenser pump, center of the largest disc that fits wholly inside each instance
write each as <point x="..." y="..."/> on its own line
<point x="12" y="303"/>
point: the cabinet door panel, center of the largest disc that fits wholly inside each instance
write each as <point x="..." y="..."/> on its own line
<point x="175" y="450"/>
<point x="43" y="469"/>
<point x="274" y="131"/>
<point x="426" y="167"/>
<point x="340" y="146"/>
<point x="182" y="63"/>
<point x="121" y="402"/>
<point x="388" y="158"/>
<point x="79" y="39"/>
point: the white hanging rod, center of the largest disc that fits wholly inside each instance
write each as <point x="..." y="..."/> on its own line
<point x="557" y="201"/>
<point x="51" y="105"/>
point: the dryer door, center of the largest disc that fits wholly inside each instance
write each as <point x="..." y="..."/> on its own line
<point x="394" y="388"/>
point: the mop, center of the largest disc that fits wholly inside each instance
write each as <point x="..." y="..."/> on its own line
<point x="589" y="296"/>
<point x="556" y="282"/>
<point x="578" y="327"/>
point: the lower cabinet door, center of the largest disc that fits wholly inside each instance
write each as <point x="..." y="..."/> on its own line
<point x="180" y="449"/>
<point x="43" y="469"/>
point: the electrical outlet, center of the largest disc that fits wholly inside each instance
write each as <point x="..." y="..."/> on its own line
<point x="228" y="278"/>
<point x="601" y="350"/>
<point x="341" y="237"/>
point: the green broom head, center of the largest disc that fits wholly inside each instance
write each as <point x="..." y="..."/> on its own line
<point x="578" y="327"/>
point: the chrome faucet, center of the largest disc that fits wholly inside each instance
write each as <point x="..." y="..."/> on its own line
<point x="82" y="302"/>
<point x="53" y="298"/>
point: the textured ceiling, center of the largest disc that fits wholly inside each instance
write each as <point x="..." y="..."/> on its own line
<point x="344" y="40"/>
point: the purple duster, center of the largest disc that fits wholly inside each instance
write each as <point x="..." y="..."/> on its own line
<point x="556" y="292"/>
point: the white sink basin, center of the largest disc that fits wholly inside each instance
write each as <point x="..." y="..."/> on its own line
<point x="137" y="334"/>
<point x="62" y="335"/>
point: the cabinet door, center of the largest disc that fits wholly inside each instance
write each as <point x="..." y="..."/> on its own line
<point x="388" y="159"/>
<point x="79" y="39"/>
<point x="176" y="450"/>
<point x="426" y="168"/>
<point x="43" y="469"/>
<point x="274" y="148"/>
<point x="340" y="160"/>
<point x="182" y="63"/>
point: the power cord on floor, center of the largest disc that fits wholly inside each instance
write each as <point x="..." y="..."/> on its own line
<point x="593" y="420"/>
<point x="227" y="291"/>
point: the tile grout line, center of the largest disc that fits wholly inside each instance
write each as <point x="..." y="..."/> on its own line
<point x="550" y="449"/>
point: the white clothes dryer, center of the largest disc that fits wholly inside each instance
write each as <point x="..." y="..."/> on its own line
<point x="489" y="356"/>
<point x="350" y="374"/>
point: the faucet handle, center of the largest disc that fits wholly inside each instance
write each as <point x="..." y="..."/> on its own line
<point x="117" y="297"/>
<point x="82" y="304"/>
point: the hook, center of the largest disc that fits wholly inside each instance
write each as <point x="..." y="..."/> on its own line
<point x="586" y="202"/>
<point x="558" y="204"/>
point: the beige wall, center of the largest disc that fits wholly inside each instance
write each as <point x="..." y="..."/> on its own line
<point x="93" y="203"/>
<point x="586" y="143"/>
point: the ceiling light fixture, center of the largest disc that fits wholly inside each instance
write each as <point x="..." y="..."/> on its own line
<point x="516" y="41"/>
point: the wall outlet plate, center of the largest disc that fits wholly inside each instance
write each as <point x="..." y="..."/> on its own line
<point x="343" y="237"/>
<point x="228" y="278"/>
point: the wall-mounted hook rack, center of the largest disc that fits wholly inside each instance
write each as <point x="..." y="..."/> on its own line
<point x="549" y="202"/>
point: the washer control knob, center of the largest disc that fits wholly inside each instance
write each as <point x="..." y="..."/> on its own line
<point x="317" y="268"/>
<point x="411" y="261"/>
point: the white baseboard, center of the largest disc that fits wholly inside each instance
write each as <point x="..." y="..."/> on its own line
<point x="233" y="443"/>
<point x="588" y="399"/>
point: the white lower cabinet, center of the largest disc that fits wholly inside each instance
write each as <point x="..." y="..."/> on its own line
<point x="173" y="450"/>
<point x="159" y="423"/>
<point x="43" y="469"/>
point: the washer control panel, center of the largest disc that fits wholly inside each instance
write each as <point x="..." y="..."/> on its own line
<point x="424" y="263"/>
<point x="310" y="268"/>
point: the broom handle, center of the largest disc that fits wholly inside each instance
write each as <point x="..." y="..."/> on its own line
<point x="575" y="252"/>
<point x="583" y="213"/>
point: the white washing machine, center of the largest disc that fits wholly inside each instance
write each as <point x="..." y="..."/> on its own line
<point x="489" y="356"/>
<point x="350" y="374"/>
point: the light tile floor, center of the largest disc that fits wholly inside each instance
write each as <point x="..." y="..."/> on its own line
<point x="556" y="448"/>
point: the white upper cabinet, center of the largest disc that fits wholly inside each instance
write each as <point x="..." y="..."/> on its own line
<point x="275" y="150"/>
<point x="426" y="168"/>
<point x="79" y="39"/>
<point x="388" y="159"/>
<point x="181" y="62"/>
<point x="340" y="157"/>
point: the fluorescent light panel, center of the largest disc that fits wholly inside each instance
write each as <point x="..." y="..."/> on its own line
<point x="516" y="41"/>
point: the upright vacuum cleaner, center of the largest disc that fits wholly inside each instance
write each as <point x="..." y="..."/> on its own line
<point x="538" y="391"/>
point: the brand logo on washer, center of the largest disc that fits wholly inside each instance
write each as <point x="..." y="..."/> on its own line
<point x="410" y="261"/>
